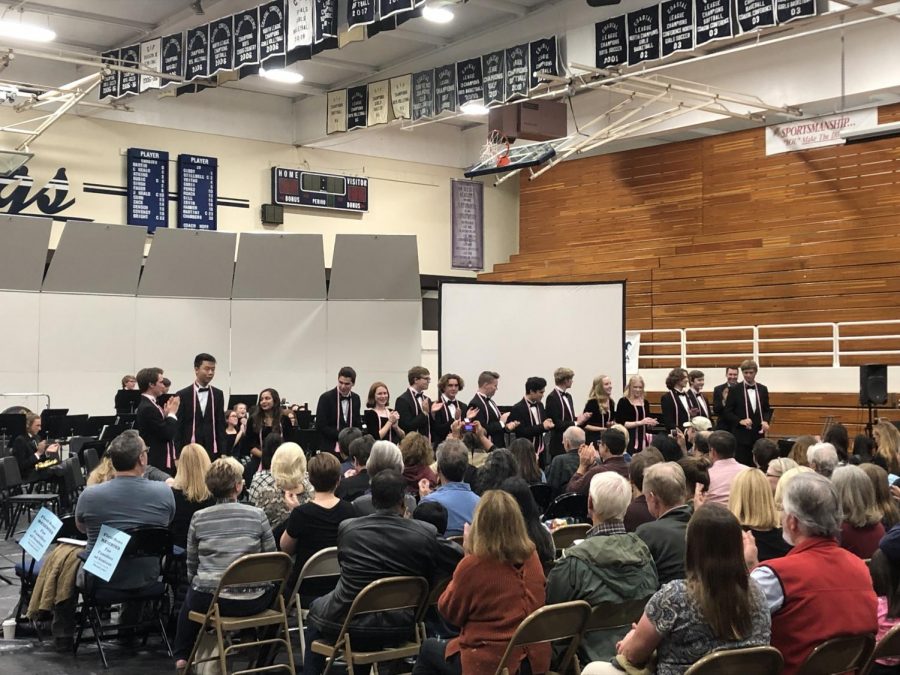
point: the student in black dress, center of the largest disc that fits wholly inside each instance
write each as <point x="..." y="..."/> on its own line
<point x="675" y="403"/>
<point x="190" y="491"/>
<point x="338" y="409"/>
<point x="314" y="525"/>
<point x="382" y="423"/>
<point x="235" y="428"/>
<point x="633" y="413"/>
<point x="29" y="450"/>
<point x="266" y="416"/>
<point x="601" y="408"/>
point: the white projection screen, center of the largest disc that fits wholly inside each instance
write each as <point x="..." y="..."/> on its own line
<point x="524" y="330"/>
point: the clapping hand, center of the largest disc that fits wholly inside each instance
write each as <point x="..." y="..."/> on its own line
<point x="424" y="487"/>
<point x="290" y="500"/>
<point x="587" y="457"/>
<point x="172" y="405"/>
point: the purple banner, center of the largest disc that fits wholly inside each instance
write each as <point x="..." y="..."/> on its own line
<point x="467" y="246"/>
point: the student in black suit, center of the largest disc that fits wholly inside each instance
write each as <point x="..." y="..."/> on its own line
<point x="157" y="425"/>
<point x="747" y="412"/>
<point x="699" y="406"/>
<point x="561" y="409"/>
<point x="675" y="404"/>
<point x="720" y="395"/>
<point x="488" y="414"/>
<point x="29" y="449"/>
<point x="338" y="409"/>
<point x="414" y="406"/>
<point x="449" y="387"/>
<point x="529" y="413"/>
<point x="201" y="415"/>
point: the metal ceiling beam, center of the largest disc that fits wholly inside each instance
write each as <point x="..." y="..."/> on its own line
<point x="81" y="15"/>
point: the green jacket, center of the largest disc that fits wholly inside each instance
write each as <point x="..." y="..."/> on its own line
<point x="603" y="568"/>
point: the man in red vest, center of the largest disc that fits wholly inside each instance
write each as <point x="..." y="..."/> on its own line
<point x="819" y="590"/>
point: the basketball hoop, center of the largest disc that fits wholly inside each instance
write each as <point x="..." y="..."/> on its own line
<point x="496" y="149"/>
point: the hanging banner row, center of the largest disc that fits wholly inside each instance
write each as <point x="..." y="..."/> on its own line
<point x="682" y="25"/>
<point x="493" y="79"/>
<point x="274" y="34"/>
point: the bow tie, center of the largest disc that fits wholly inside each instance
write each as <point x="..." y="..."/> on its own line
<point x="532" y="404"/>
<point x="418" y="394"/>
<point x="750" y="386"/>
<point x="681" y="393"/>
<point x="450" y="401"/>
<point x="202" y="389"/>
<point x="345" y="398"/>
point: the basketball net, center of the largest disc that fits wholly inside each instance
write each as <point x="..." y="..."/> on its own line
<point x="496" y="149"/>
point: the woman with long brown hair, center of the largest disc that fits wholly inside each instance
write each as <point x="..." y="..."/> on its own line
<point x="382" y="422"/>
<point x="717" y="606"/>
<point x="633" y="412"/>
<point x="265" y="418"/>
<point x="499" y="556"/>
<point x="601" y="407"/>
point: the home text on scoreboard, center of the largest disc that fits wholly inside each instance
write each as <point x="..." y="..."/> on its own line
<point x="295" y="187"/>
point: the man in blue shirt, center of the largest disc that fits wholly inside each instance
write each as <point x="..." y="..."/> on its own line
<point x="456" y="496"/>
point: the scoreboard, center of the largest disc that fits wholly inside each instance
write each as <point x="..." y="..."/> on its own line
<point x="296" y="187"/>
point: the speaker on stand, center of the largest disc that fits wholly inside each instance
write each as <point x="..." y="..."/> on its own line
<point x="872" y="390"/>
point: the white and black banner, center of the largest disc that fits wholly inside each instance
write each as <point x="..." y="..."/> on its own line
<point x="109" y="83"/>
<point x="150" y="60"/>
<point x="445" y="89"/>
<point x="301" y="23"/>
<point x="789" y="10"/>
<point x="517" y="72"/>
<point x="197" y="53"/>
<point x="221" y="45"/>
<point x="493" y="74"/>
<point x="357" y="107"/>
<point x="173" y="56"/>
<point x="388" y="8"/>
<point x="379" y="105"/>
<point x="543" y="58"/>
<point x="713" y="21"/>
<point x="611" y="42"/>
<point x="246" y="38"/>
<point x="326" y="20"/>
<point x="467" y="219"/>
<point x="643" y="35"/>
<point x="130" y="83"/>
<point x="755" y="14"/>
<point x="423" y="94"/>
<point x="360" y="12"/>
<point x="337" y="111"/>
<point x="469" y="81"/>
<point x="676" y="18"/>
<point x="817" y="132"/>
<point x="272" y="30"/>
<point x="400" y="96"/>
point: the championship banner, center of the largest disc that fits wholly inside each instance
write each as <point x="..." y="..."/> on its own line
<point x="817" y="132"/>
<point x="643" y="35"/>
<point x="272" y="30"/>
<point x="172" y="56"/>
<point x="611" y="42"/>
<point x="109" y="83"/>
<point x="246" y="38"/>
<point x="379" y="105"/>
<point x="197" y="53"/>
<point x="388" y="8"/>
<point x="400" y="96"/>
<point x="326" y="21"/>
<point x="360" y="13"/>
<point x="130" y="83"/>
<point x="493" y="75"/>
<point x="469" y="82"/>
<point x="789" y="10"/>
<point x="150" y="60"/>
<point x="713" y="19"/>
<point x="543" y="59"/>
<point x="221" y="45"/>
<point x="301" y="27"/>
<point x="337" y="112"/>
<point x="423" y="95"/>
<point x="676" y="18"/>
<point x="357" y="107"/>
<point x="517" y="72"/>
<point x="445" y="89"/>
<point x="467" y="219"/>
<point x="755" y="14"/>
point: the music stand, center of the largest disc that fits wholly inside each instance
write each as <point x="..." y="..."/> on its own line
<point x="127" y="401"/>
<point x="110" y="431"/>
<point x="65" y="426"/>
<point x="126" y="420"/>
<point x="11" y="426"/>
<point x="48" y="414"/>
<point x="304" y="418"/>
<point x="94" y="425"/>
<point x="250" y="400"/>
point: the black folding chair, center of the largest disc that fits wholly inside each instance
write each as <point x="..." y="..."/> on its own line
<point x="570" y="505"/>
<point x="14" y="497"/>
<point x="543" y="495"/>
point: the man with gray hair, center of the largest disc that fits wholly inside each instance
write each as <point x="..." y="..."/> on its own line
<point x="665" y="488"/>
<point x="822" y="458"/>
<point x="455" y="495"/>
<point x="610" y="565"/>
<point x="384" y="455"/>
<point x="563" y="466"/>
<point x="818" y="590"/>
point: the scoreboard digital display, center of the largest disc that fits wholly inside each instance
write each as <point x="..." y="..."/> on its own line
<point x="296" y="187"/>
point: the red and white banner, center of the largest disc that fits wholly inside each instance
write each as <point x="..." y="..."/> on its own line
<point x="817" y="132"/>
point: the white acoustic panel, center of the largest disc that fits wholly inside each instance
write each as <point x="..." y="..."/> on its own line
<point x="381" y="340"/>
<point x="293" y="265"/>
<point x="19" y="356"/>
<point x="86" y="345"/>
<point x="524" y="330"/>
<point x="170" y="332"/>
<point x="189" y="264"/>
<point x="375" y="267"/>
<point x="279" y="344"/>
<point x="24" y="252"/>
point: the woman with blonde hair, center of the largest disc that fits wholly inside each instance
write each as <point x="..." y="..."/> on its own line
<point x="499" y="556"/>
<point x="752" y="503"/>
<point x="776" y="469"/>
<point x="291" y="486"/>
<point x="890" y="515"/>
<point x="786" y="478"/>
<point x="799" y="448"/>
<point x="887" y="446"/>
<point x="634" y="414"/>
<point x="601" y="407"/>
<point x="189" y="489"/>
<point x="861" y="529"/>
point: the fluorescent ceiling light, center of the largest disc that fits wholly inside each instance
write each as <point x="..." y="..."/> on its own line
<point x="437" y="14"/>
<point x="473" y="108"/>
<point x="281" y="75"/>
<point x="25" y="31"/>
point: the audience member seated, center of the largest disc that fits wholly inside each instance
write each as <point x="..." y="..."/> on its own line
<point x="563" y="466"/>
<point x="861" y="529"/>
<point x="764" y="451"/>
<point x="783" y="482"/>
<point x="593" y="460"/>
<point x="715" y="607"/>
<point x="701" y="443"/>
<point x="29" y="450"/>
<point x="531" y="513"/>
<point x="822" y="458"/>
<point x="526" y="461"/>
<point x="638" y="513"/>
<point x="124" y="502"/>
<point x="499" y="556"/>
<point x="346" y="437"/>
<point x="819" y="590"/>
<point x="890" y="514"/>
<point x="887" y="446"/>
<point x="478" y="442"/>
<point x="837" y="435"/>
<point x="499" y="465"/>
<point x="799" y="448"/>
<point x="263" y="477"/>
<point x="189" y="489"/>
<point x="608" y="566"/>
<point x="722" y="446"/>
<point x="314" y="525"/>
<point x="291" y="486"/>
<point x="434" y="513"/>
<point x="696" y="478"/>
<point x="777" y="468"/>
<point x="669" y="447"/>
<point x="384" y="544"/>
<point x="384" y="455"/>
<point x="664" y="487"/>
<point x="863" y="449"/>
<point x="886" y="582"/>
<point x="455" y="495"/>
<point x="218" y="536"/>
<point x="752" y="503"/>
<point x="418" y="456"/>
<point x="356" y="484"/>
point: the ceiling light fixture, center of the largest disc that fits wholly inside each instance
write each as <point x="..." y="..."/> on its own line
<point x="437" y="14"/>
<point x="281" y="75"/>
<point x="474" y="107"/>
<point x="197" y="6"/>
<point x="19" y="30"/>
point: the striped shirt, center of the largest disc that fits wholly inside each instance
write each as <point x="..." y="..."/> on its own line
<point x="218" y="536"/>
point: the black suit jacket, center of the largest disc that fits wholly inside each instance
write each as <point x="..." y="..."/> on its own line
<point x="158" y="430"/>
<point x="718" y="405"/>
<point x="23" y="449"/>
<point x="193" y="422"/>
<point x="410" y="417"/>
<point x="673" y="413"/>
<point x="489" y="417"/>
<point x="666" y="540"/>
<point x="695" y="402"/>
<point x="521" y="413"/>
<point x="736" y="410"/>
<point x="330" y="420"/>
<point x="562" y="419"/>
<point x="442" y="419"/>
